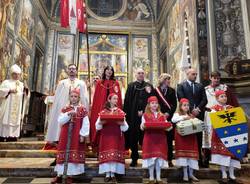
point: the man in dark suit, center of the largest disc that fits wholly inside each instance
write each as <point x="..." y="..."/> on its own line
<point x="134" y="105"/>
<point x="195" y="93"/>
<point x="168" y="102"/>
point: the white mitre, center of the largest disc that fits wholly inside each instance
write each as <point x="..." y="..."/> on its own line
<point x="15" y="69"/>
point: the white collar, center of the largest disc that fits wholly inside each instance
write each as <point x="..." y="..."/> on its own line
<point x="190" y="82"/>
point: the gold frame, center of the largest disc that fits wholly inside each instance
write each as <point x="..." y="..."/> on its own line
<point x="129" y="53"/>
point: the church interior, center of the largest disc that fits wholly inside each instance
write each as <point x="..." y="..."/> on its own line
<point x="160" y="36"/>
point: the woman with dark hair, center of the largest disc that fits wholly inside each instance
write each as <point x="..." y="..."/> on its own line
<point x="107" y="85"/>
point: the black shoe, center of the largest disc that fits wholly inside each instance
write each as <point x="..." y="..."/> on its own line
<point x="170" y="164"/>
<point x="107" y="179"/>
<point x="202" y="165"/>
<point x="53" y="163"/>
<point x="133" y="163"/>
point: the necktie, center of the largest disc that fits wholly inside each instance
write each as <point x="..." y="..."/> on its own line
<point x="164" y="91"/>
<point x="193" y="89"/>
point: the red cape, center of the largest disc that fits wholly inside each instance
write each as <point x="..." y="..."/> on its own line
<point x="99" y="100"/>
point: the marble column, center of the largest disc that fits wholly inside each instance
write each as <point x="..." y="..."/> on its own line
<point x="212" y="53"/>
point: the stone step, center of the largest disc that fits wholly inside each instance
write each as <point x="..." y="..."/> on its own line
<point x="22" y="145"/>
<point x="39" y="167"/>
<point x="100" y="180"/>
<point x="38" y="154"/>
<point x="34" y="154"/>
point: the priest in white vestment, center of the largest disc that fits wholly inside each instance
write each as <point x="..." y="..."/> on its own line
<point x="12" y="98"/>
<point x="61" y="99"/>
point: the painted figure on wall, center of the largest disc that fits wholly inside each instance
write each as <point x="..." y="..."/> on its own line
<point x="5" y="6"/>
<point x="5" y="57"/>
<point x="137" y="10"/>
<point x="141" y="56"/>
<point x="12" y="10"/>
<point x="65" y="55"/>
<point x="27" y="22"/>
<point x="23" y="59"/>
<point x="41" y="31"/>
<point x="174" y="34"/>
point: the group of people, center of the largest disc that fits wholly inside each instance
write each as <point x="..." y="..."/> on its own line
<point x="143" y="103"/>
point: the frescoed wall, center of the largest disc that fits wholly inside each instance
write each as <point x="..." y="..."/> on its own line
<point x="19" y="21"/>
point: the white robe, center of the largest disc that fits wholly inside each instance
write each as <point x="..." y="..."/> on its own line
<point x="113" y="167"/>
<point x="146" y="163"/>
<point x="10" y="108"/>
<point x="73" y="169"/>
<point x="61" y="99"/>
<point x="184" y="161"/>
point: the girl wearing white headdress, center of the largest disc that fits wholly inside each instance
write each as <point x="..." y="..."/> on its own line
<point x="11" y="99"/>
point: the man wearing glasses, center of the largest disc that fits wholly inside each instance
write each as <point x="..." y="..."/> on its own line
<point x="61" y="99"/>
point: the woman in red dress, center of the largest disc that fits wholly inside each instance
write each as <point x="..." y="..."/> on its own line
<point x="111" y="142"/>
<point x="104" y="87"/>
<point x="154" y="147"/>
<point x="186" y="147"/>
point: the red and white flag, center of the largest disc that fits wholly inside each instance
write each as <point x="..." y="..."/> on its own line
<point x="64" y="13"/>
<point x="73" y="14"/>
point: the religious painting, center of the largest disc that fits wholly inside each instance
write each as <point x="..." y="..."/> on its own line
<point x="41" y="31"/>
<point x="141" y="58"/>
<point x="174" y="66"/>
<point x="5" y="8"/>
<point x="137" y="10"/>
<point x="27" y="26"/>
<point x="174" y="29"/>
<point x="163" y="36"/>
<point x="12" y="12"/>
<point x="65" y="55"/>
<point x="5" y="57"/>
<point x="104" y="49"/>
<point x="22" y="57"/>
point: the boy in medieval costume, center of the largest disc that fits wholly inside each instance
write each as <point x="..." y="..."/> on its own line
<point x="220" y="155"/>
<point x="76" y="113"/>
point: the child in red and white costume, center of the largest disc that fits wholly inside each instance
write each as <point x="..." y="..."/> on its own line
<point x="111" y="142"/>
<point x="220" y="154"/>
<point x="186" y="147"/>
<point x="78" y="114"/>
<point x="154" y="148"/>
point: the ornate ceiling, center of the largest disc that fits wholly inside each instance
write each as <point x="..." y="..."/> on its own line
<point x="146" y="9"/>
